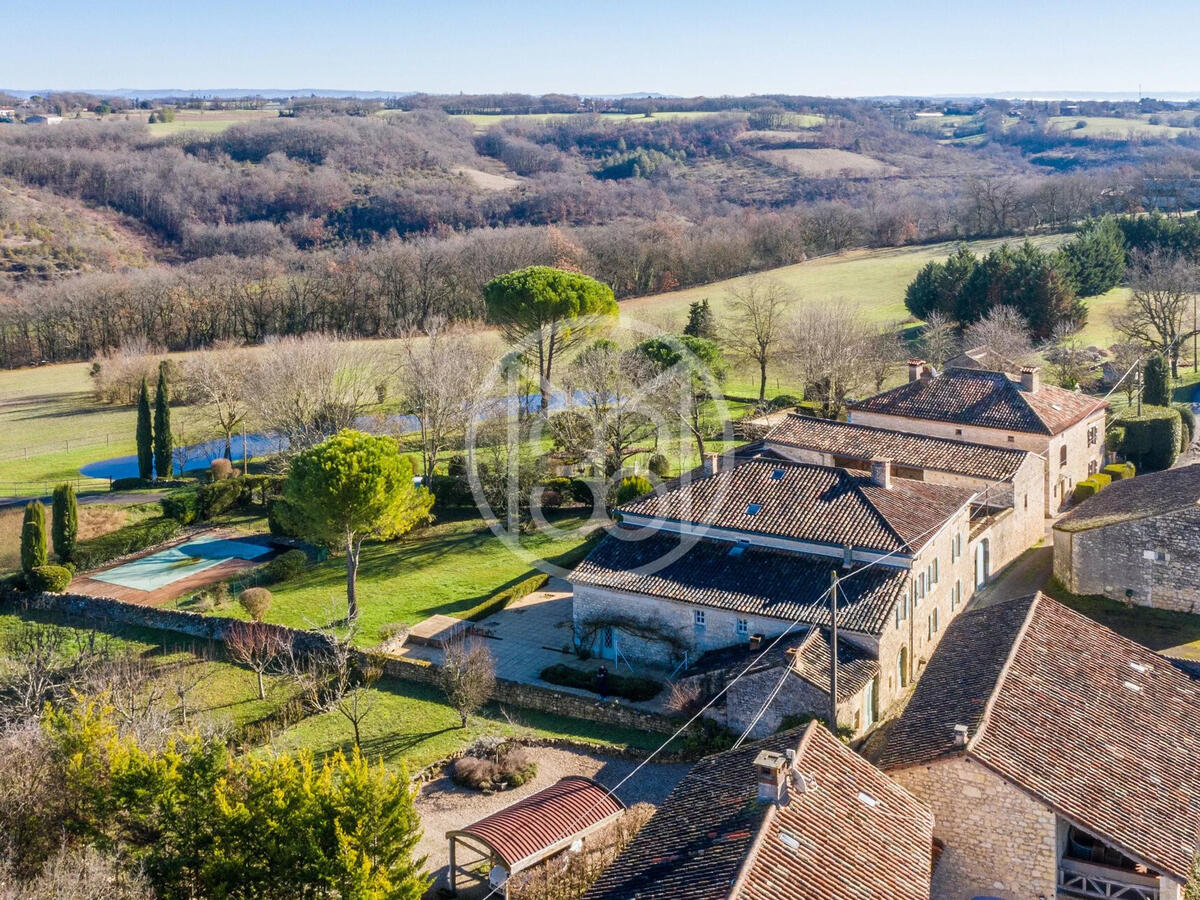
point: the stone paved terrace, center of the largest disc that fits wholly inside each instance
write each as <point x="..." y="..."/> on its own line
<point x="529" y="635"/>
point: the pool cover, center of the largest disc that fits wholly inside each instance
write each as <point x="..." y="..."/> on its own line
<point x="168" y="566"/>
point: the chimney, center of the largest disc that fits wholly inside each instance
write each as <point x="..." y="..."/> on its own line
<point x="772" y="771"/>
<point x="916" y="369"/>
<point x="712" y="463"/>
<point x="961" y="734"/>
<point x="1031" y="379"/>
<point x="881" y="472"/>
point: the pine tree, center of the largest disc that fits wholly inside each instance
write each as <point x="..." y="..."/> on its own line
<point x="162" y="426"/>
<point x="1156" y="383"/>
<point x="145" y="435"/>
<point x="64" y="529"/>
<point x="700" y="321"/>
<point x="33" y="537"/>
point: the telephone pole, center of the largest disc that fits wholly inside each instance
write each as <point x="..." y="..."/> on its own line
<point x="833" y="653"/>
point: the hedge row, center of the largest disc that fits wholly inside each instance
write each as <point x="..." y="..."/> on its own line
<point x="1152" y="440"/>
<point x="1120" y="471"/>
<point x="502" y="598"/>
<point x="98" y="550"/>
<point x="220" y="496"/>
<point x="1091" y="486"/>
<point x="628" y="686"/>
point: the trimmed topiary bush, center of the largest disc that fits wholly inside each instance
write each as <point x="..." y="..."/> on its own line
<point x="659" y="465"/>
<point x="220" y="468"/>
<point x="33" y="537"/>
<point x="1089" y="487"/>
<point x="1156" y="383"/>
<point x="1188" y="418"/>
<point x="286" y="566"/>
<point x="1152" y="440"/>
<point x="64" y="523"/>
<point x="52" y="579"/>
<point x="256" y="602"/>
<point x="1120" y="471"/>
<point x="632" y="487"/>
<point x="182" y="506"/>
<point x="1102" y="479"/>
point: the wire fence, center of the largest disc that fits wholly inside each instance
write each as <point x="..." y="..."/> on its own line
<point x="66" y="444"/>
<point x="33" y="489"/>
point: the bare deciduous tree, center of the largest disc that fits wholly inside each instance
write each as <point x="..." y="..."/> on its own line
<point x="439" y="375"/>
<point x="1004" y="331"/>
<point x="937" y="342"/>
<point x="467" y="677"/>
<point x="336" y="678"/>
<point x="1070" y="363"/>
<point x="1163" y="285"/>
<point x="758" y="314"/>
<point x="826" y="350"/>
<point x="883" y="352"/>
<point x="260" y="647"/>
<point x="221" y="381"/>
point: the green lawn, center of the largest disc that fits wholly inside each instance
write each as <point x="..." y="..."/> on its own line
<point x="1171" y="633"/>
<point x="447" y="569"/>
<point x="1114" y="128"/>
<point x="410" y="723"/>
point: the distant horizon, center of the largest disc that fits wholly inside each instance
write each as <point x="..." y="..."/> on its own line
<point x="227" y="93"/>
<point x="676" y="47"/>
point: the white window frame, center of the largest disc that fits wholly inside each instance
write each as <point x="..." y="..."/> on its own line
<point x="743" y="627"/>
<point x="699" y="619"/>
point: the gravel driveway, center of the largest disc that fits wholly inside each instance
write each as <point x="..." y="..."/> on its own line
<point x="443" y="806"/>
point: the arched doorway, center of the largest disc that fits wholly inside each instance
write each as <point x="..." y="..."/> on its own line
<point x="982" y="562"/>
<point x="902" y="667"/>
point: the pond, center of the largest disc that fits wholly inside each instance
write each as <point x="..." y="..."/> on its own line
<point x="195" y="456"/>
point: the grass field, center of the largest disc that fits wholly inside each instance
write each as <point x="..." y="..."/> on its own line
<point x="484" y="121"/>
<point x="1112" y="128"/>
<point x="209" y="121"/>
<point x="445" y="569"/>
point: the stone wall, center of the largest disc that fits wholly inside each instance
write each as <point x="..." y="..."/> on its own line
<point x="796" y="697"/>
<point x="1155" y="558"/>
<point x="557" y="700"/>
<point x="998" y="840"/>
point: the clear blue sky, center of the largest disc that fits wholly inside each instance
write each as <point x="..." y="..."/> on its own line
<point x="698" y="47"/>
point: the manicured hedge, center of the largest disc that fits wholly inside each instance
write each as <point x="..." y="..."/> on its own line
<point x="1089" y="487"/>
<point x="1120" y="471"/>
<point x="128" y="484"/>
<point x="98" y="550"/>
<point x="182" y="506"/>
<point x="285" y="566"/>
<point x="1152" y="439"/>
<point x="1188" y="419"/>
<point x="627" y="686"/>
<point x="220" y="496"/>
<point x="48" y="578"/>
<point x="501" y="599"/>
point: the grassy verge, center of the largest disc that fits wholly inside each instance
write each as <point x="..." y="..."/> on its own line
<point x="1170" y="633"/>
<point x="448" y="568"/>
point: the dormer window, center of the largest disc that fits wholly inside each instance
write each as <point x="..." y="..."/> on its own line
<point x="753" y="509"/>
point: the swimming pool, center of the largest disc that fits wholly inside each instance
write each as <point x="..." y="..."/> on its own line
<point x="168" y="566"/>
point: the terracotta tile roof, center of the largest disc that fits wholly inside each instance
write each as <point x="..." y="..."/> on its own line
<point x="818" y="504"/>
<point x="855" y="667"/>
<point x="982" y="358"/>
<point x="865" y="443"/>
<point x="712" y="839"/>
<point x="777" y="584"/>
<point x="1094" y="725"/>
<point x="542" y="821"/>
<point x="985" y="399"/>
<point x="1137" y="498"/>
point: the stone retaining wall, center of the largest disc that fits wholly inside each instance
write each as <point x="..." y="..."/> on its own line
<point x="558" y="701"/>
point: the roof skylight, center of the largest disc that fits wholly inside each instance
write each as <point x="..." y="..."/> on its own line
<point x="777" y="475"/>
<point x="753" y="509"/>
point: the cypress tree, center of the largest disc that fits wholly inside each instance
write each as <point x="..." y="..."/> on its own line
<point x="1156" y="383"/>
<point x="33" y="537"/>
<point x="162" y="426"/>
<point x="700" y="321"/>
<point x="145" y="435"/>
<point x="65" y="527"/>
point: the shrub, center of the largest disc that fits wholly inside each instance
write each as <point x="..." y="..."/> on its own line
<point x="502" y="598"/>
<point x="631" y="488"/>
<point x="1083" y="489"/>
<point x="659" y="465"/>
<point x="285" y="566"/>
<point x="219" y="496"/>
<point x="64" y="526"/>
<point x="279" y="519"/>
<point x="98" y="550"/>
<point x="509" y="769"/>
<point x="449" y="490"/>
<point x="1102" y="479"/>
<point x="48" y="578"/>
<point x="182" y="506"/>
<point x="1120" y="471"/>
<point x="255" y="601"/>
<point x="220" y="468"/>
<point x="128" y="484"/>
<point x="1114" y="438"/>
<point x="1156" y="384"/>
<point x="580" y="490"/>
<point x="785" y="401"/>
<point x="551" y="499"/>
<point x="628" y="686"/>
<point x="33" y="537"/>
<point x="1152" y="439"/>
<point x="1188" y="418"/>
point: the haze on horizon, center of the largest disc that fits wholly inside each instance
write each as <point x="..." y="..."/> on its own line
<point x="533" y="46"/>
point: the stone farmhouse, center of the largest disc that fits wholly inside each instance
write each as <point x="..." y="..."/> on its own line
<point x="1065" y="428"/>
<point x="1058" y="758"/>
<point x="747" y="552"/>
<point x="1137" y="541"/>
<point x="798" y="816"/>
<point x="1007" y="514"/>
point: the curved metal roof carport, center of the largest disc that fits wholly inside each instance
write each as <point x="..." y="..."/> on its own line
<point x="531" y="830"/>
